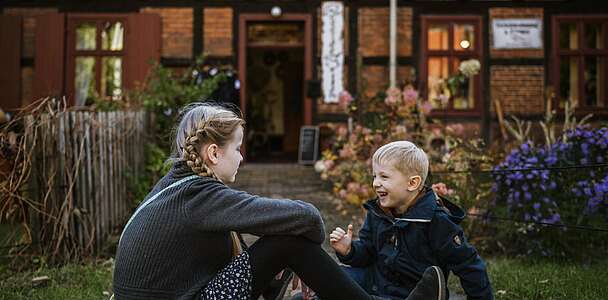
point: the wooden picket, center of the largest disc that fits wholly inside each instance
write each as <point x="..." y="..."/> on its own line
<point x="83" y="161"/>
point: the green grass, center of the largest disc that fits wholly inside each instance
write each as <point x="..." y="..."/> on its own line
<point x="528" y="279"/>
<point x="511" y="279"/>
<point x="67" y="282"/>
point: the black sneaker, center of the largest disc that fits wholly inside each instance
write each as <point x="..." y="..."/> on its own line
<point x="431" y="286"/>
<point x="277" y="287"/>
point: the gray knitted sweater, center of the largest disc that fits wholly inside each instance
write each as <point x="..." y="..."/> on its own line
<point x="178" y="242"/>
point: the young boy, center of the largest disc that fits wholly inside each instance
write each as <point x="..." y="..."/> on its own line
<point x="408" y="229"/>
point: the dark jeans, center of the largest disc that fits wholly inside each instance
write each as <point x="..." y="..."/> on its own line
<point x="271" y="254"/>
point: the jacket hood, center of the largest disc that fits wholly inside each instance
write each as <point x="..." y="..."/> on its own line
<point x="423" y="210"/>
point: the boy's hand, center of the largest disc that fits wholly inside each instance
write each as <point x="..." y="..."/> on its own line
<point x="341" y="241"/>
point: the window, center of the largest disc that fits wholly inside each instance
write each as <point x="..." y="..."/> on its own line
<point x="581" y="52"/>
<point x="446" y="42"/>
<point x="96" y="54"/>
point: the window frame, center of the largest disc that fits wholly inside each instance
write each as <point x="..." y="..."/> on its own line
<point x="73" y="20"/>
<point x="580" y="53"/>
<point x="476" y="53"/>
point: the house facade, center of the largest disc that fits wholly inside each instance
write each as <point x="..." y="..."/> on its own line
<point x="528" y="51"/>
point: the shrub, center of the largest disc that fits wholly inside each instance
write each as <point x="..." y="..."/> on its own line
<point x="548" y="194"/>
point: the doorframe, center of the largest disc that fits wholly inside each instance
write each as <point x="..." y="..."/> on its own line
<point x="242" y="59"/>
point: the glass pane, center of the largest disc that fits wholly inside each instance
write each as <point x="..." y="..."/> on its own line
<point x="568" y="80"/>
<point x="464" y="37"/>
<point x="593" y="36"/>
<point x="111" y="77"/>
<point x="439" y="93"/>
<point x="594" y="77"/>
<point x="84" y="79"/>
<point x="273" y="33"/>
<point x="462" y="88"/>
<point x="568" y="37"/>
<point x="112" y="36"/>
<point x="438" y="37"/>
<point x="85" y="36"/>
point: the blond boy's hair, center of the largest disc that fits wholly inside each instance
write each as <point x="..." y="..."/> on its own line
<point x="405" y="156"/>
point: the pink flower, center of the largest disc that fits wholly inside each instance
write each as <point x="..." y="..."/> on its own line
<point x="410" y="96"/>
<point x="364" y="191"/>
<point x="342" y="131"/>
<point x="457" y="129"/>
<point x="345" y="152"/>
<point x="392" y="96"/>
<point x="426" y="107"/>
<point x="328" y="164"/>
<point x="443" y="98"/>
<point x="343" y="193"/>
<point x="344" y="99"/>
<point x="377" y="138"/>
<point x="352" y="187"/>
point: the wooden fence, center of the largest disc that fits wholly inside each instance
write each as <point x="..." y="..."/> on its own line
<point x="83" y="165"/>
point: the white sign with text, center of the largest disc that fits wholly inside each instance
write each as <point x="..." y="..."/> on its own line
<point x="517" y="33"/>
<point x="332" y="51"/>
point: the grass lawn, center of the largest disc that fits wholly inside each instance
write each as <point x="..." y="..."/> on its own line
<point x="528" y="279"/>
<point x="88" y="281"/>
<point x="511" y="279"/>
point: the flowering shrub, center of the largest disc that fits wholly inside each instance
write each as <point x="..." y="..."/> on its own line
<point x="393" y="115"/>
<point x="575" y="196"/>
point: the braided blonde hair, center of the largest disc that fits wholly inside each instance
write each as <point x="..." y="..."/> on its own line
<point x="204" y="123"/>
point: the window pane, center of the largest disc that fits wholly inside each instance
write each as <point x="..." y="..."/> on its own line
<point x="112" y="36"/>
<point x="111" y="77"/>
<point x="438" y="37"/>
<point x="463" y="95"/>
<point x="568" y="37"/>
<point x="85" y="36"/>
<point x="464" y="37"/>
<point x="593" y="36"/>
<point x="84" y="80"/>
<point x="439" y="93"/>
<point x="594" y="79"/>
<point x="568" y="80"/>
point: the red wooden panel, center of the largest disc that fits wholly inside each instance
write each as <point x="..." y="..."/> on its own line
<point x="10" y="60"/>
<point x="143" y="43"/>
<point x="49" y="63"/>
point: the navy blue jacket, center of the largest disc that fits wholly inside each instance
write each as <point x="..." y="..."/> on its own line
<point x="396" y="251"/>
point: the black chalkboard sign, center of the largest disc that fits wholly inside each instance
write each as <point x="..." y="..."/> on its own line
<point x="309" y="142"/>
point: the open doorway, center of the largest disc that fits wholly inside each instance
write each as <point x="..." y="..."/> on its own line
<point x="274" y="103"/>
<point x="274" y="63"/>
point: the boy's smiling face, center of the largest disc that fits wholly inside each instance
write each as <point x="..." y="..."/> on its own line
<point x="395" y="190"/>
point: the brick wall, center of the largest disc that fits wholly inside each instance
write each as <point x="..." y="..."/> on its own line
<point x="374" y="31"/>
<point x="520" y="13"/>
<point x="375" y="78"/>
<point x="176" y="31"/>
<point x="217" y="31"/>
<point x="29" y="26"/>
<point x="520" y="89"/>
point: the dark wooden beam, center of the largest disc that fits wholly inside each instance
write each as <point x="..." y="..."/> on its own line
<point x="197" y="29"/>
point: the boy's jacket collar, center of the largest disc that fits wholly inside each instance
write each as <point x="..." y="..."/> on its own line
<point x="423" y="210"/>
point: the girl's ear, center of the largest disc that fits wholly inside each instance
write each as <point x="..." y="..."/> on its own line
<point x="414" y="183"/>
<point x="212" y="153"/>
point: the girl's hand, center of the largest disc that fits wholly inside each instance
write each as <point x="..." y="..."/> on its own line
<point x="341" y="241"/>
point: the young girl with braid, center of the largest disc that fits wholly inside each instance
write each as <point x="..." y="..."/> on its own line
<point x="182" y="241"/>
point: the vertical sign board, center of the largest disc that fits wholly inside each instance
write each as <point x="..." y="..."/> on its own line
<point x="332" y="49"/>
<point x="309" y="143"/>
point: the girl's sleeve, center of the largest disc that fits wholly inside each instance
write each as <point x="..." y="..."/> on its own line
<point x="212" y="206"/>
